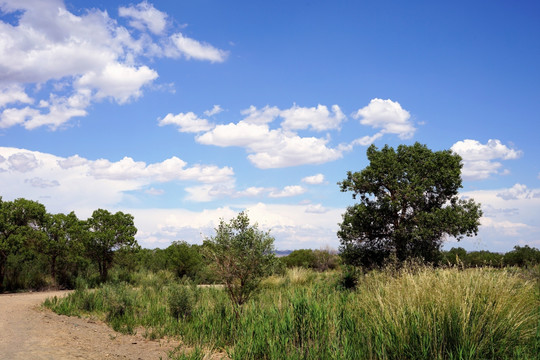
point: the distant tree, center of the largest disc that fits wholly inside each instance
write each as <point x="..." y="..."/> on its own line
<point x="522" y="256"/>
<point x="241" y="255"/>
<point x="106" y="234"/>
<point x="184" y="259"/>
<point x="299" y="258"/>
<point x="408" y="204"/>
<point x="19" y="224"/>
<point x="455" y="256"/>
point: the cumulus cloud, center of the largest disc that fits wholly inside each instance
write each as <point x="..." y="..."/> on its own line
<point x="255" y="116"/>
<point x="510" y="216"/>
<point x="80" y="59"/>
<point x="145" y="16"/>
<point x="186" y="122"/>
<point x="388" y="116"/>
<point x="22" y="162"/>
<point x="318" y="119"/>
<point x="277" y="147"/>
<point x="291" y="225"/>
<point x="271" y="148"/>
<point x="82" y="183"/>
<point x="479" y="159"/>
<point x="313" y="180"/>
<point x="518" y="191"/>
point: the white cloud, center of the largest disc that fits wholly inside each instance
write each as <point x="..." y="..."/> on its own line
<point x="510" y="216"/>
<point x="318" y="119"/>
<point x="315" y="179"/>
<point x="260" y="117"/>
<point x="81" y="58"/>
<point x="388" y="116"/>
<point x="316" y="209"/>
<point x="271" y="148"/>
<point x="22" y="162"/>
<point x="193" y="49"/>
<point x="90" y="184"/>
<point x="288" y="191"/>
<point x="292" y="226"/>
<point x="42" y="183"/>
<point x="118" y="81"/>
<point x="283" y="147"/>
<point x="214" y="111"/>
<point x="478" y="158"/>
<point x="186" y="122"/>
<point x="518" y="191"/>
<point x="145" y="16"/>
<point x="13" y="94"/>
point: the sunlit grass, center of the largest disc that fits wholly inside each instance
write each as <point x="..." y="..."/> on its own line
<point x="413" y="313"/>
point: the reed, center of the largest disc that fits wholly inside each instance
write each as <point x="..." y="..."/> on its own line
<point x="411" y="313"/>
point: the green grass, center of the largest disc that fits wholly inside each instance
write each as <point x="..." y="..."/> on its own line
<point x="416" y="313"/>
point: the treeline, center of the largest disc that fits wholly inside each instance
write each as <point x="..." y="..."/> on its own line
<point x="40" y="250"/>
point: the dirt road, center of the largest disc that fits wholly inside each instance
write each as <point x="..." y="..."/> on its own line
<point x="29" y="332"/>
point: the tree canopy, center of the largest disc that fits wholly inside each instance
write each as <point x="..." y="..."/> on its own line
<point x="408" y="204"/>
<point x="107" y="234"/>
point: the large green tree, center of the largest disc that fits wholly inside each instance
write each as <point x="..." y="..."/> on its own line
<point x="20" y="221"/>
<point x="106" y="234"/>
<point x="408" y="204"/>
<point x="241" y="255"/>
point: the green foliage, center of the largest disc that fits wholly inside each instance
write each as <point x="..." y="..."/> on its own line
<point x="180" y="301"/>
<point x="299" y="258"/>
<point x="19" y="223"/>
<point x="522" y="256"/>
<point x="321" y="260"/>
<point x="106" y="234"/>
<point x="408" y="203"/>
<point x="241" y="255"/>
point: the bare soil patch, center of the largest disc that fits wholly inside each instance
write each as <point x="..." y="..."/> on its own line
<point x="31" y="332"/>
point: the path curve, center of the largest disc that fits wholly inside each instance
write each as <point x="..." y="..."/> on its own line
<point x="31" y="332"/>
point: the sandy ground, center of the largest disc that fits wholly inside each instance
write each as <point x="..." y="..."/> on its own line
<point x="29" y="332"/>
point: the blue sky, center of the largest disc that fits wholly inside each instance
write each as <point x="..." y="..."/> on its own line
<point x="185" y="112"/>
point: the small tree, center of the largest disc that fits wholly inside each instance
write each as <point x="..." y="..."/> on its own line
<point x="106" y="234"/>
<point x="408" y="204"/>
<point x="241" y="255"/>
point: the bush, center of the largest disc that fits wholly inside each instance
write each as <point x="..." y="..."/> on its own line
<point x="180" y="302"/>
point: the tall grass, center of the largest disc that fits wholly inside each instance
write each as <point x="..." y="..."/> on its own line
<point x="415" y="313"/>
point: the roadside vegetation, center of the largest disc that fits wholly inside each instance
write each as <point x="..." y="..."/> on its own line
<point x="390" y="292"/>
<point x="414" y="312"/>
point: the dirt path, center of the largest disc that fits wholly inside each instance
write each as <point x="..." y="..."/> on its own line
<point x="29" y="332"/>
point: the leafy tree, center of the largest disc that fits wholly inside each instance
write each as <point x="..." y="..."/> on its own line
<point x="184" y="259"/>
<point x="106" y="234"/>
<point x="408" y="204"/>
<point x="241" y="256"/>
<point x="59" y="230"/>
<point x="19" y="223"/>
